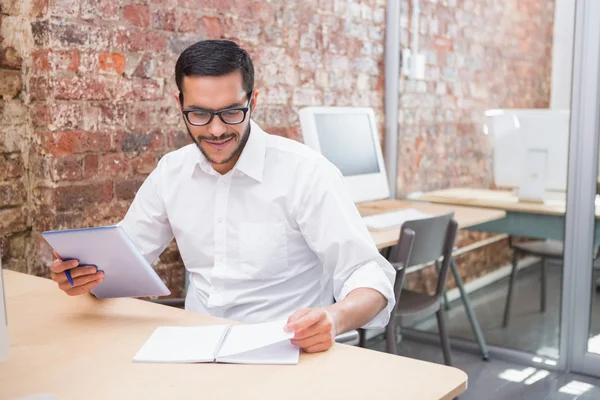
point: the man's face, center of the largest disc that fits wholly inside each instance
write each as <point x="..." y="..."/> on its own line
<point x="221" y="143"/>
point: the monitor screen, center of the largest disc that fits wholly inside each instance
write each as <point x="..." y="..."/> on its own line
<point x="347" y="141"/>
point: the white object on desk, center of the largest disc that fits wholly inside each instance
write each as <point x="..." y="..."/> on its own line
<point x="265" y="343"/>
<point x="393" y="219"/>
<point x="3" y="319"/>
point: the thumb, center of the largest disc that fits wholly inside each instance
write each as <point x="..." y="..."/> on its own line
<point x="295" y="316"/>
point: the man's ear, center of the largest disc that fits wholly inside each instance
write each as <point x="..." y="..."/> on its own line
<point x="254" y="101"/>
<point x="178" y="99"/>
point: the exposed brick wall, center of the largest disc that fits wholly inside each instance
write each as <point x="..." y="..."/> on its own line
<point x="87" y="106"/>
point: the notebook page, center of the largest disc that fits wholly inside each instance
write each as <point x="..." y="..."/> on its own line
<point x="278" y="353"/>
<point x="244" y="338"/>
<point x="181" y="344"/>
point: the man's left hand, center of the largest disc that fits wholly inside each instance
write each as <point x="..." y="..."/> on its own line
<point x="314" y="329"/>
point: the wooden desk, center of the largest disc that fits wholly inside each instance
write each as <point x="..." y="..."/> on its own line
<point x="537" y="220"/>
<point x="81" y="348"/>
<point x="464" y="216"/>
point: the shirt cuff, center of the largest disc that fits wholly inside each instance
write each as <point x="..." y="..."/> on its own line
<point x="376" y="277"/>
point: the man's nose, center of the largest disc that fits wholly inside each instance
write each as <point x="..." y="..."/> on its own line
<point x="217" y="127"/>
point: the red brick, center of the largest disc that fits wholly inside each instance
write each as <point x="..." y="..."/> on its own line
<point x="74" y="142"/>
<point x="113" y="165"/>
<point x="11" y="166"/>
<point x="66" y="116"/>
<point x="145" y="68"/>
<point x="104" y="9"/>
<point x="91" y="166"/>
<point x="141" y="117"/>
<point x="143" y="164"/>
<point x="199" y="4"/>
<point x="40" y="88"/>
<point x="137" y="141"/>
<point x="111" y="62"/>
<point x="81" y="195"/>
<point x="10" y="58"/>
<point x="147" y="89"/>
<point x="163" y="20"/>
<point x="65" y="60"/>
<point x="80" y="88"/>
<point x="40" y="115"/>
<point x="132" y="40"/>
<point x="13" y="220"/>
<point x="178" y="139"/>
<point x="137" y="14"/>
<point x="65" y="8"/>
<point x="113" y="114"/>
<point x="67" y="168"/>
<point x="41" y="62"/>
<point x="10" y="83"/>
<point x="212" y="27"/>
<point x="12" y="194"/>
<point x="127" y="188"/>
<point x="189" y="22"/>
<point x="443" y="44"/>
<point x="38" y="8"/>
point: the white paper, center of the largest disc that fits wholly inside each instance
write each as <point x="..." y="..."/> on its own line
<point x="393" y="219"/>
<point x="282" y="353"/>
<point x="245" y="338"/>
<point x="181" y="344"/>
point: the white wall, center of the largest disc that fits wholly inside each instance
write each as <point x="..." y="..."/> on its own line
<point x="562" y="54"/>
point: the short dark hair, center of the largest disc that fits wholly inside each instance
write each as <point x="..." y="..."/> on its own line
<point x="214" y="58"/>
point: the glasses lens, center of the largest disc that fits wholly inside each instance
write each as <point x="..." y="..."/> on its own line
<point x="233" y="116"/>
<point x="199" y="117"/>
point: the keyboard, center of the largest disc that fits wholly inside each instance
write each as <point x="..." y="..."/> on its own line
<point x="392" y="219"/>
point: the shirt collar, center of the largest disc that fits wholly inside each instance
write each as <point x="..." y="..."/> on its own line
<point x="252" y="159"/>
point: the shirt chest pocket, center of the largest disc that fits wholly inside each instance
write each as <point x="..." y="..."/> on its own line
<point x="263" y="249"/>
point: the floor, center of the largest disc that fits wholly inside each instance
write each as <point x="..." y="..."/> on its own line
<point x="496" y="379"/>
<point x="528" y="330"/>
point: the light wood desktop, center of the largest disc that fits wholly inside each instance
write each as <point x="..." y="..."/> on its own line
<point x="507" y="200"/>
<point x="82" y="348"/>
<point x="464" y="216"/>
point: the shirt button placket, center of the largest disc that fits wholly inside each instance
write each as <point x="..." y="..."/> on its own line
<point x="220" y="238"/>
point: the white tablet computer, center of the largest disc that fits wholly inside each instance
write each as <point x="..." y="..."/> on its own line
<point x="126" y="271"/>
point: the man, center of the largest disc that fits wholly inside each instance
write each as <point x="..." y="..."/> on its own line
<point x="265" y="226"/>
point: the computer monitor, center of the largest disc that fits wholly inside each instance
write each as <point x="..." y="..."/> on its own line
<point x="348" y="137"/>
<point x="518" y="133"/>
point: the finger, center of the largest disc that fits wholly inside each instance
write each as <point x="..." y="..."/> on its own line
<point x="74" y="291"/>
<point x="312" y="340"/>
<point x="307" y="320"/>
<point x="59" y="266"/>
<point x="81" y="271"/>
<point x="81" y="281"/>
<point x="322" y="326"/>
<point x="323" y="346"/>
<point x="299" y="313"/>
<point x="56" y="255"/>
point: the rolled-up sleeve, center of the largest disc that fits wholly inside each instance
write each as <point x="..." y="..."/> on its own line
<point x="335" y="231"/>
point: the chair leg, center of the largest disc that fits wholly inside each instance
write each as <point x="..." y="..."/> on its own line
<point x="362" y="338"/>
<point x="444" y="294"/>
<point x="543" y="287"/>
<point x="390" y="338"/>
<point x="444" y="336"/>
<point x="513" y="276"/>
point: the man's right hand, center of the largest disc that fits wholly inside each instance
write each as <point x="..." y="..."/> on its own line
<point x="84" y="278"/>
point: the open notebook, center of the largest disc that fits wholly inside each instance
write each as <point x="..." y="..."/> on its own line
<point x="265" y="343"/>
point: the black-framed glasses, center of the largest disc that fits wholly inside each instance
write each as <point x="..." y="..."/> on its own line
<point x="229" y="116"/>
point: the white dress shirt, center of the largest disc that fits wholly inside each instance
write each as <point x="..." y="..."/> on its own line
<point x="276" y="233"/>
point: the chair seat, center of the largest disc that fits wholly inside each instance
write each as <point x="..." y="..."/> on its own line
<point x="542" y="248"/>
<point x="415" y="306"/>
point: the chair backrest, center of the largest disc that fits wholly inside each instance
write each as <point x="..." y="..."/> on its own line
<point x="404" y="249"/>
<point x="434" y="238"/>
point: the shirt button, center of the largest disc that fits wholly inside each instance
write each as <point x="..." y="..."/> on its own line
<point x="219" y="220"/>
<point x="223" y="183"/>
